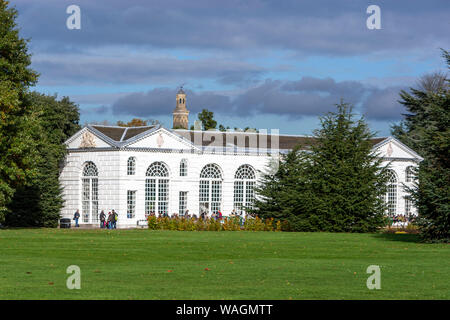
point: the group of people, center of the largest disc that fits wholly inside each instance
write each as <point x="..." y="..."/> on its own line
<point x="109" y="222"/>
<point x="400" y="220"/>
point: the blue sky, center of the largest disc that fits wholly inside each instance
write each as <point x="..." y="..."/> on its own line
<point x="258" y="63"/>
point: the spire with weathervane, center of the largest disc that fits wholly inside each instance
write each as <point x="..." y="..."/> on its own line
<point x="180" y="114"/>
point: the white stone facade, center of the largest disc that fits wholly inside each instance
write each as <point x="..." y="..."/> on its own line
<point x="168" y="147"/>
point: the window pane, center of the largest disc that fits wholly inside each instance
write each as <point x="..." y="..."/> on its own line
<point x="131" y="204"/>
<point x="182" y="202"/>
<point x="131" y="166"/>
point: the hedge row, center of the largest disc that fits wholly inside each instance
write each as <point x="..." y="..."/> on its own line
<point x="210" y="224"/>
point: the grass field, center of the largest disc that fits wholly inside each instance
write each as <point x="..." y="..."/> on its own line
<point x="143" y="264"/>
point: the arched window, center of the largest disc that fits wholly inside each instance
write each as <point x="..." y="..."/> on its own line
<point x="392" y="193"/>
<point x="210" y="195"/>
<point x="183" y="168"/>
<point x="157" y="189"/>
<point x="131" y="166"/>
<point x="244" y="183"/>
<point x="409" y="174"/>
<point x="89" y="190"/>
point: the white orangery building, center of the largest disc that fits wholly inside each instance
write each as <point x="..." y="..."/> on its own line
<point x="138" y="171"/>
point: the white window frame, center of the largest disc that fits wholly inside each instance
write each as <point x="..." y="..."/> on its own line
<point x="131" y="204"/>
<point x="131" y="166"/>
<point x="182" y="202"/>
<point x="409" y="174"/>
<point x="89" y="193"/>
<point x="210" y="189"/>
<point x="244" y="184"/>
<point x="408" y="205"/>
<point x="392" y="193"/>
<point x="183" y="168"/>
<point x="157" y="189"/>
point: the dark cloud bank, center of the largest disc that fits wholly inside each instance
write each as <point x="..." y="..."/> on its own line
<point x="308" y="96"/>
<point x="321" y="27"/>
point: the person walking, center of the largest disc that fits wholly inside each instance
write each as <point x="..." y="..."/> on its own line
<point x="102" y="219"/>
<point x="76" y="216"/>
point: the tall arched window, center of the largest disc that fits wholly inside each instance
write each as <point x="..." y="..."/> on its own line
<point x="409" y="174"/>
<point x="89" y="190"/>
<point x="244" y="183"/>
<point x="157" y="189"/>
<point x="131" y="166"/>
<point x="183" y="168"/>
<point x="210" y="195"/>
<point x="392" y="193"/>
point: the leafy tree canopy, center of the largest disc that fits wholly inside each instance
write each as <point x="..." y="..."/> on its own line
<point x="136" y="122"/>
<point x="17" y="148"/>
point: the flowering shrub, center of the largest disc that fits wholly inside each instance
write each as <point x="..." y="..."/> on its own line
<point x="278" y="226"/>
<point x="210" y="224"/>
<point x="231" y="224"/>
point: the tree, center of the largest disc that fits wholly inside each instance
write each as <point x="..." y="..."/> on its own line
<point x="279" y="192"/>
<point x="17" y="148"/>
<point x="426" y="129"/>
<point x="39" y="202"/>
<point x="433" y="82"/>
<point x="136" y="122"/>
<point x="337" y="185"/>
<point x="207" y="119"/>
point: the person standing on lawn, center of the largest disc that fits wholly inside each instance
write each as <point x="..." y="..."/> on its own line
<point x="102" y="219"/>
<point x="109" y="221"/>
<point x="114" y="219"/>
<point x="76" y="216"/>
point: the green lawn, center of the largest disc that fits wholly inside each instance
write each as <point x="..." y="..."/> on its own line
<point x="143" y="264"/>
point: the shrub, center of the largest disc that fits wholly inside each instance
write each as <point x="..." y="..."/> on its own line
<point x="152" y="222"/>
<point x="227" y="224"/>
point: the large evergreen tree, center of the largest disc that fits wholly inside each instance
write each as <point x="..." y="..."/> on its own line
<point x="426" y="128"/>
<point x="39" y="202"/>
<point x="17" y="148"/>
<point x="337" y="185"/>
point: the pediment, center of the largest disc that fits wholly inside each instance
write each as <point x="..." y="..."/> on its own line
<point x="162" y="139"/>
<point x="86" y="138"/>
<point x="392" y="148"/>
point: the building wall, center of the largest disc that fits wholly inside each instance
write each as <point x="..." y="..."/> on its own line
<point x="108" y="165"/>
<point x="113" y="181"/>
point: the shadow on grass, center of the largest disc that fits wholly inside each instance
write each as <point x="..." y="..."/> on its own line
<point x="415" y="238"/>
